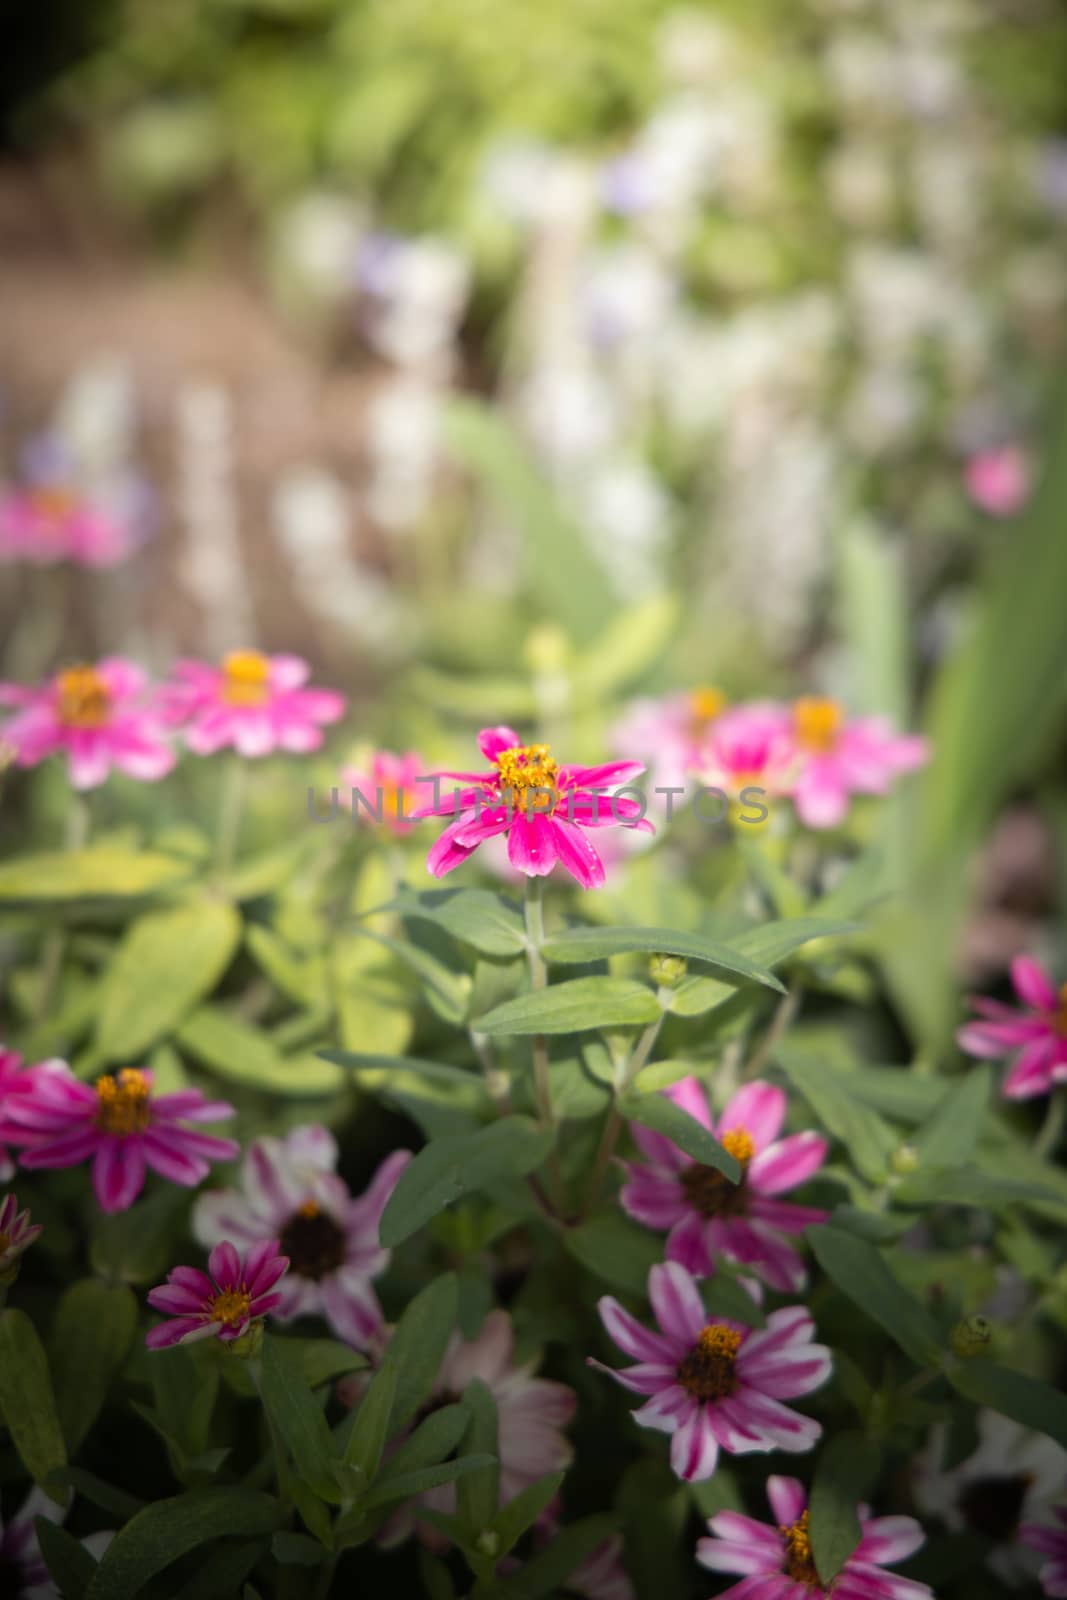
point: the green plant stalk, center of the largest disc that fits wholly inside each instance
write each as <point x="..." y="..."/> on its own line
<point x="637" y="1059"/>
<point x="1051" y="1130"/>
<point x="75" y="837"/>
<point x="533" y="912"/>
<point x="784" y="1016"/>
<point x="231" y="808"/>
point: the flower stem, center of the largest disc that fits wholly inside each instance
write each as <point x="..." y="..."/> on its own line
<point x="637" y="1058"/>
<point x="1051" y="1129"/>
<point x="788" y="1006"/>
<point x="75" y="837"/>
<point x="231" y="806"/>
<point x="533" y="912"/>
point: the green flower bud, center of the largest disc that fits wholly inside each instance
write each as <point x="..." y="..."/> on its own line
<point x="971" y="1336"/>
<point x="250" y="1343"/>
<point x="905" y="1159"/>
<point x="667" y="972"/>
<point x="488" y="1542"/>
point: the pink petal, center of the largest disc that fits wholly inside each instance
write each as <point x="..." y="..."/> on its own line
<point x="651" y="1198"/>
<point x="820" y="796"/>
<point x="166" y="1334"/>
<point x="690" y="1094"/>
<point x="694" y="1449"/>
<point x="173" y="1163"/>
<point x="1033" y="985"/>
<point x="887" y="1540"/>
<point x="991" y="1039"/>
<point x="630" y="1335"/>
<point x="264" y="1265"/>
<point x="492" y="741"/>
<point x="676" y="1304"/>
<point x="66" y="1152"/>
<point x="577" y="855"/>
<point x="118" y="1173"/>
<point x="610" y="774"/>
<point x="758" y="1108"/>
<point x="353" y="1310"/>
<point x="665" y="1411"/>
<point x="224" y="1265"/>
<point x="779" y="1426"/>
<point x="532" y="845"/>
<point x="687" y="1243"/>
<point x="1032" y="1073"/>
<point x="788" y="1499"/>
<point x="783" y="1216"/>
<point x="787" y="1163"/>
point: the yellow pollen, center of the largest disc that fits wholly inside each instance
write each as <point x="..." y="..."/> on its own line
<point x="705" y="705"/>
<point x="715" y="1340"/>
<point x="528" y="778"/>
<point x="799" y="1561"/>
<point x="309" y="1209"/>
<point x="708" y="1372"/>
<point x="84" y="698"/>
<point x="231" y="1306"/>
<point x="246" y="674"/>
<point x="740" y="1144"/>
<point x="817" y="723"/>
<point x="123" y="1102"/>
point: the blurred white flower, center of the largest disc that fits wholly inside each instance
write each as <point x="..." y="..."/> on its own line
<point x="627" y="514"/>
<point x="861" y="183"/>
<point x="317" y="248"/>
<point x="886" y="407"/>
<point x="402" y="439"/>
<point x="96" y="416"/>
<point x="863" y="69"/>
<point x="898" y="295"/>
<point x="697" y="50"/>
<point x="416" y="293"/>
<point x="570" y="413"/>
<point x="517" y="175"/>
<point x="626" y="294"/>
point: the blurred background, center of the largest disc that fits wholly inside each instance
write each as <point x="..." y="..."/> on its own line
<point x="509" y="361"/>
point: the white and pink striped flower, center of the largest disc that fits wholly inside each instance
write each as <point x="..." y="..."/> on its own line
<point x="98" y="716"/>
<point x="776" y="1561"/>
<point x="705" y="1213"/>
<point x="714" y="1384"/>
<point x="1050" y="1542"/>
<point x="256" y="703"/>
<point x="290" y="1191"/>
<point x="1036" y="1037"/>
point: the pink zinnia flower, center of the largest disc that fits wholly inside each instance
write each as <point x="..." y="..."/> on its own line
<point x="15" y="1080"/>
<point x="671" y="732"/>
<point x="1039" y="1034"/>
<point x="531" y="1411"/>
<point x="122" y="1127"/>
<point x="998" y="481"/>
<point x="777" y="1561"/>
<point x="49" y="523"/>
<point x="749" y="747"/>
<point x="389" y="791"/>
<point x="839" y="758"/>
<point x="1051" y="1542"/>
<point x="97" y="715"/>
<point x="542" y="807"/>
<point x="223" y="1305"/>
<point x="716" y="1384"/>
<point x="254" y="702"/>
<point x="706" y="1214"/>
<point x="290" y="1191"/>
<point x="17" y="1233"/>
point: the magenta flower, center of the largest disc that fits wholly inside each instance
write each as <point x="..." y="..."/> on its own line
<point x="390" y="792"/>
<point x="17" y="1233"/>
<point x="97" y="715"/>
<point x="122" y="1127"/>
<point x="52" y="522"/>
<point x="998" y="481"/>
<point x="749" y="747"/>
<point x="253" y="702"/>
<point x="716" y="1385"/>
<point x="290" y="1191"/>
<point x="706" y="1214"/>
<point x="1038" y="1034"/>
<point x="543" y="809"/>
<point x="777" y="1561"/>
<point x="838" y="758"/>
<point x="15" y="1080"/>
<point x="1051" y="1542"/>
<point x="671" y="732"/>
<point x="223" y="1305"/>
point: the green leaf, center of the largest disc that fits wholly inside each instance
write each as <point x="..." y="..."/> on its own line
<point x="371" y="1431"/>
<point x="66" y="1558"/>
<point x="573" y="1007"/>
<point x="1014" y="1394"/>
<point x="768" y="945"/>
<point x="432" y="1441"/>
<point x="419" y="1343"/>
<point x="724" y="1296"/>
<point x="301" y="978"/>
<point x="624" y="650"/>
<point x="165" y="964"/>
<point x="546" y="1573"/>
<point x="950" y="1137"/>
<point x="322" y="1360"/>
<point x="662" y="1115"/>
<point x="867" y="1140"/>
<point x="102" y="873"/>
<point x="95" y="1325"/>
<point x="134" y="1245"/>
<point x="298" y="1418"/>
<point x="615" y="1249"/>
<point x="846" y="1469"/>
<point x="408" y="1081"/>
<point x="169" y="1529"/>
<point x="451" y="1166"/>
<point x="240" y="1053"/>
<point x="486" y="921"/>
<point x="478" y="1494"/>
<point x="446" y="990"/>
<point x="520" y="1513"/>
<point x="116" y="1502"/>
<point x="27" y="1402"/>
<point x="973" y="1186"/>
<point x="579" y="945"/>
<point x="400" y="1486"/>
<point x="860" y="1272"/>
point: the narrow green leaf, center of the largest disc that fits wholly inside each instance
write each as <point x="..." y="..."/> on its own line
<point x="168" y="1529"/>
<point x="972" y="1186"/>
<point x="451" y="1166"/>
<point x="297" y="1415"/>
<point x="371" y="1431"/>
<point x="950" y="1137"/>
<point x="520" y="1513"/>
<point x="432" y="1441"/>
<point x="768" y="945"/>
<point x="322" y="1360"/>
<point x="658" y="1112"/>
<point x="479" y="1492"/>
<point x="547" y="1572"/>
<point x="486" y="921"/>
<point x="401" y="1485"/>
<point x="102" y="873"/>
<point x="867" y="1140"/>
<point x="95" y="1324"/>
<point x="66" y="1558"/>
<point x="1027" y="1400"/>
<point x="845" y="1471"/>
<point x="418" y="1346"/>
<point x="860" y="1272"/>
<point x="616" y="1250"/>
<point x="579" y="945"/>
<point x="401" y="1080"/>
<point x="573" y="1007"/>
<point x="235" y="1050"/>
<point x="27" y="1401"/>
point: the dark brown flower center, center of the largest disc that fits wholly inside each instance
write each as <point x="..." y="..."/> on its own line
<point x="313" y="1241"/>
<point x="994" y="1506"/>
<point x="709" y="1191"/>
<point x="709" y="1371"/>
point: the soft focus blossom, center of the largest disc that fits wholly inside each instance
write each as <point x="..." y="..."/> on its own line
<point x="388" y="788"/>
<point x="17" y="1233"/>
<point x="531" y="1412"/>
<point x="670" y="732"/>
<point x="22" y="1569"/>
<point x="253" y="702"/>
<point x="542" y="807"/>
<point x="52" y="515"/>
<point x="122" y="1127"/>
<point x="839" y="758"/>
<point x="602" y="1575"/>
<point x="15" y="1080"/>
<point x="1036" y="1037"/>
<point x="223" y="1305"/>
<point x="749" y="746"/>
<point x="998" y="481"/>
<point x="290" y="1191"/>
<point x="776" y="1560"/>
<point x="1014" y="1477"/>
<point x="706" y="1214"/>
<point x="99" y="716"/>
<point x="716" y="1384"/>
<point x="1050" y="1542"/>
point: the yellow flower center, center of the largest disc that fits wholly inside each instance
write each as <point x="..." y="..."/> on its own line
<point x="705" y="705"/>
<point x="84" y="698"/>
<point x="799" y="1561"/>
<point x="710" y="1191"/>
<point x="246" y="674"/>
<point x="231" y="1306"/>
<point x="123" y="1102"/>
<point x="708" y="1372"/>
<point x="817" y="723"/>
<point x="528" y="778"/>
<point x="52" y="507"/>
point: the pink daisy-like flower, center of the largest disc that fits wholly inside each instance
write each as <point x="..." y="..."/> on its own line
<point x="543" y="809"/>
<point x="749" y="747"/>
<point x="999" y="480"/>
<point x="1038" y="1034"/>
<point x="121" y="1126"/>
<point x="1051" y="1542"/>
<point x="839" y="758"/>
<point x="15" y="1080"/>
<point x="17" y="1233"/>
<point x="221" y="1303"/>
<point x="388" y="794"/>
<point x="290" y="1191"/>
<point x="777" y="1561"/>
<point x="253" y="702"/>
<point x="97" y="715"/>
<point x="670" y="732"/>
<point x="51" y="522"/>
<point x="531" y="1411"/>
<point x="716" y="1385"/>
<point x="706" y="1214"/>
